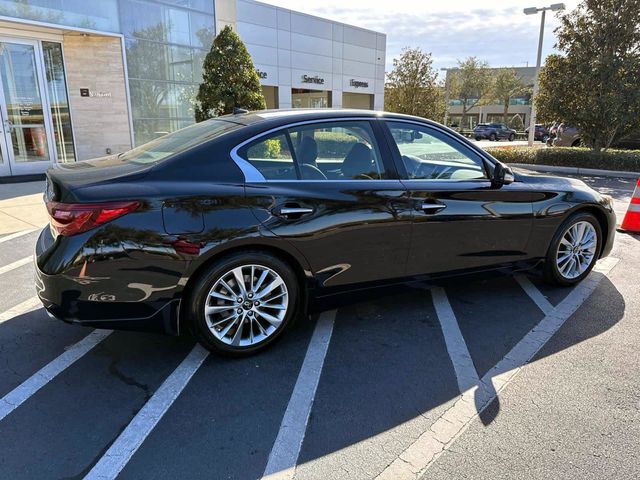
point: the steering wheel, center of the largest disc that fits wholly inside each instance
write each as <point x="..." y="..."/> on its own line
<point x="310" y="172"/>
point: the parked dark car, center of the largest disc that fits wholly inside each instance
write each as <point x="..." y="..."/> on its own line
<point x="232" y="227"/>
<point x="493" y="132"/>
<point x="541" y="133"/>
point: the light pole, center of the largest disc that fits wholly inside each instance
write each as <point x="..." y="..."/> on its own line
<point x="446" y="94"/>
<point x="556" y="7"/>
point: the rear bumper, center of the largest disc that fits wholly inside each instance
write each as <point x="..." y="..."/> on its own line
<point x="72" y="295"/>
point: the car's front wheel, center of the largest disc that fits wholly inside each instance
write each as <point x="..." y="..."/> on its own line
<point x="243" y="303"/>
<point x="574" y="250"/>
<point x="512" y="137"/>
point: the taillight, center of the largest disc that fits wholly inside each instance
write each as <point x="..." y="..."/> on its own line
<point x="72" y="218"/>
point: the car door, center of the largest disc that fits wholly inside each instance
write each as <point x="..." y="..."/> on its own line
<point x="460" y="219"/>
<point x="330" y="190"/>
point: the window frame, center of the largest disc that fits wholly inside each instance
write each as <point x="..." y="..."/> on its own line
<point x="253" y="175"/>
<point x="470" y="150"/>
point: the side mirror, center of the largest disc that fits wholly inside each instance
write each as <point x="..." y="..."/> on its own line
<point x="502" y="175"/>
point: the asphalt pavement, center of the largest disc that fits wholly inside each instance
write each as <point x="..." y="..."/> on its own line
<point x="495" y="378"/>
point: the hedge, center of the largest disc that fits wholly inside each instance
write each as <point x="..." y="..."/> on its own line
<point x="334" y="144"/>
<point x="621" y="160"/>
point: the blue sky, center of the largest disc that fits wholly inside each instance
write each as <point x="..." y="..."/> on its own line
<point x="495" y="31"/>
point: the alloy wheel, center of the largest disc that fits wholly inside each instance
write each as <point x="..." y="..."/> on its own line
<point x="576" y="250"/>
<point x="246" y="305"/>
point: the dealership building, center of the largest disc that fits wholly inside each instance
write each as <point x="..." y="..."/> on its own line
<point x="82" y="79"/>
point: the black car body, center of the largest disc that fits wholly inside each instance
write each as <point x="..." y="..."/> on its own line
<point x="134" y="236"/>
<point x="493" y="132"/>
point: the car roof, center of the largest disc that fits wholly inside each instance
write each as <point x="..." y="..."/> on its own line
<point x="301" y="115"/>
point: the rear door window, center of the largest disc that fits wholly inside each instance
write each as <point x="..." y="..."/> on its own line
<point x="271" y="156"/>
<point x="338" y="150"/>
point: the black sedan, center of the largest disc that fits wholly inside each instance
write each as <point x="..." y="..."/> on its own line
<point x="231" y="227"/>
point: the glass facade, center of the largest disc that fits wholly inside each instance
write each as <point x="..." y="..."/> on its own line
<point x="59" y="102"/>
<point x="165" y="50"/>
<point x="165" y="41"/>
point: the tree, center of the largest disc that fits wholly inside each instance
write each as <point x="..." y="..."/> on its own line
<point x="595" y="83"/>
<point x="412" y="88"/>
<point x="230" y="79"/>
<point x="507" y="84"/>
<point x="471" y="84"/>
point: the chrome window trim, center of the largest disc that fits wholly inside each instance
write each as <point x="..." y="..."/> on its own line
<point x="253" y="175"/>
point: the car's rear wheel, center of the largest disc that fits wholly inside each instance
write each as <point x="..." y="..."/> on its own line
<point x="493" y="137"/>
<point x="243" y="303"/>
<point x="478" y="139"/>
<point x="574" y="250"/>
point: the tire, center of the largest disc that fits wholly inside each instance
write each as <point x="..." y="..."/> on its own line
<point x="478" y="139"/>
<point x="512" y="137"/>
<point x="224" y="315"/>
<point x="493" y="137"/>
<point x="577" y="143"/>
<point x="561" y="273"/>
<point x="545" y="138"/>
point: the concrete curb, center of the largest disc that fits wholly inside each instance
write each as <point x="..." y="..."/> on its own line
<point x="589" y="172"/>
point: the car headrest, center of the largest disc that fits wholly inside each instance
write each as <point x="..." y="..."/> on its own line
<point x="308" y="151"/>
<point x="358" y="161"/>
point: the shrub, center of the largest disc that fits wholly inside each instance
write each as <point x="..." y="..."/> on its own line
<point x="623" y="160"/>
<point x="270" y="148"/>
<point x="334" y="144"/>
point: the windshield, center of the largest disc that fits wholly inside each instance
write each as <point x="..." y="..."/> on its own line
<point x="178" y="141"/>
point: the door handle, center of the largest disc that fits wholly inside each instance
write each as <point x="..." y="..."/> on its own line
<point x="429" y="208"/>
<point x="291" y="212"/>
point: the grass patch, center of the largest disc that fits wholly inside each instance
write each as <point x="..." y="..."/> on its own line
<point x="620" y="160"/>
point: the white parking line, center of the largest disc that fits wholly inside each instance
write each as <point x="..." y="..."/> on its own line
<point x="19" y="309"/>
<point x="17" y="235"/>
<point x="16" y="264"/>
<point x="466" y="372"/>
<point x="128" y="442"/>
<point x="536" y="295"/>
<point x="419" y="456"/>
<point x="286" y="449"/>
<point x="35" y="382"/>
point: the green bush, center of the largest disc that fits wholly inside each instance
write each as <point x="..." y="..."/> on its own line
<point x="334" y="144"/>
<point x="623" y="160"/>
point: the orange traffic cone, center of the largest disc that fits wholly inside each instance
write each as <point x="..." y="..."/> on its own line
<point x="631" y="222"/>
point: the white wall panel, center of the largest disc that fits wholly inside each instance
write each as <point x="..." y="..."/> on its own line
<point x="284" y="75"/>
<point x="263" y="55"/>
<point x="311" y="26"/>
<point x="258" y="13"/>
<point x="357" y="36"/>
<point x="284" y="58"/>
<point x="360" y="54"/>
<point x="314" y="45"/>
<point x="284" y="19"/>
<point x="349" y="67"/>
<point x="304" y="61"/>
<point x="347" y="87"/>
<point x="287" y="45"/>
<point x="272" y="74"/>
<point x="296" y="79"/>
<point x="257" y="34"/>
<point x="284" y="39"/>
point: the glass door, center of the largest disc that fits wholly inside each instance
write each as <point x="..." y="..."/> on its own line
<point x="25" y="115"/>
